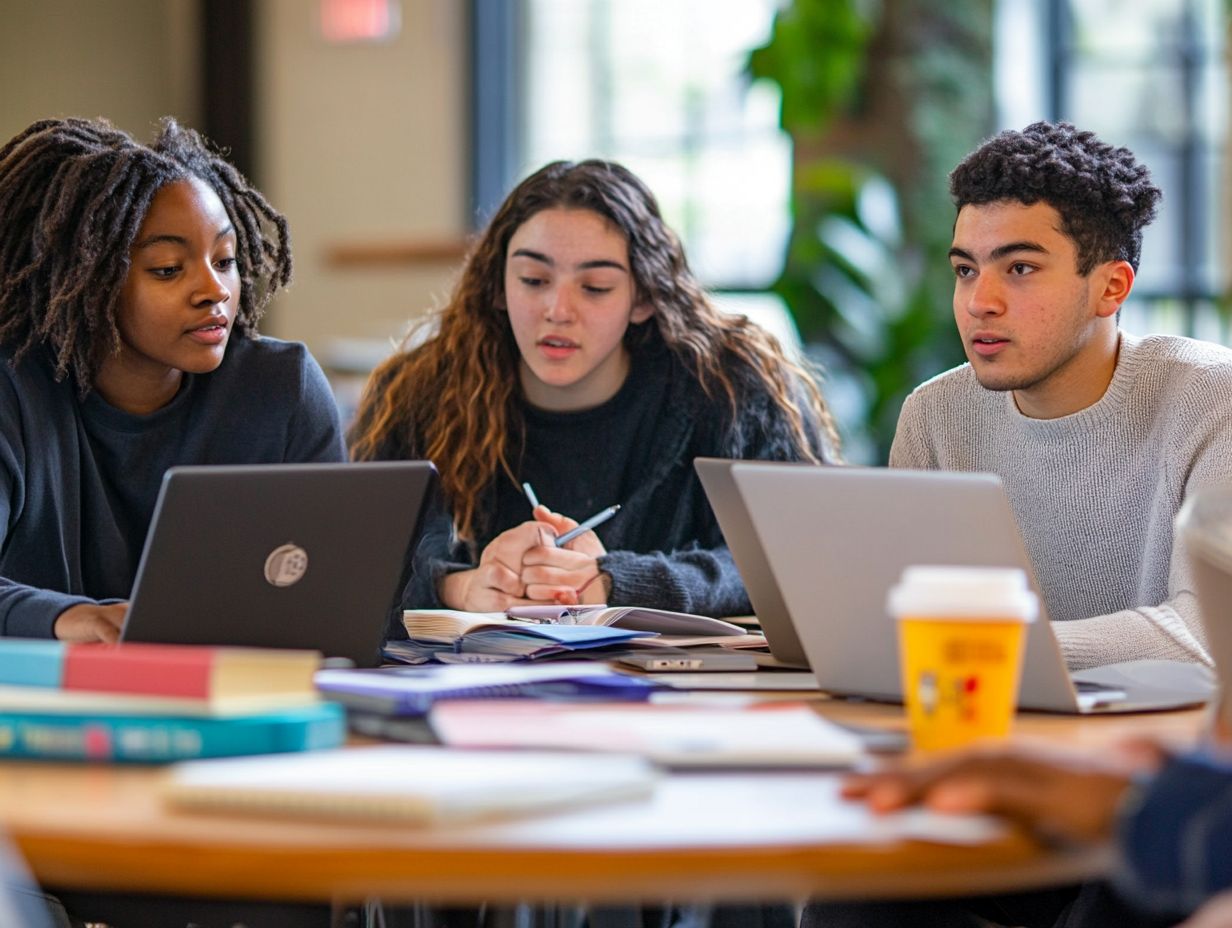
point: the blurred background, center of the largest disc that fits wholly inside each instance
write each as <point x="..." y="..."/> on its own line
<point x="800" y="147"/>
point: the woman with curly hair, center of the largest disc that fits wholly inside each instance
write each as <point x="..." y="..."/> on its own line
<point x="132" y="278"/>
<point x="578" y="355"/>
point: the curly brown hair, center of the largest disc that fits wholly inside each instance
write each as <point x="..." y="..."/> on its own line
<point x="73" y="194"/>
<point x="1104" y="196"/>
<point x="470" y="365"/>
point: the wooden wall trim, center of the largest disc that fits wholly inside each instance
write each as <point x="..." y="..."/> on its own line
<point x="396" y="253"/>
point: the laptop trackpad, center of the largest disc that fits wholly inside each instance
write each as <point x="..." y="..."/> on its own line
<point x="1152" y="683"/>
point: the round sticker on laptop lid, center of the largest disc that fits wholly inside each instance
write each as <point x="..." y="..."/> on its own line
<point x="286" y="565"/>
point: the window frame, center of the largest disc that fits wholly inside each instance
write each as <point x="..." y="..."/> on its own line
<point x="1192" y="198"/>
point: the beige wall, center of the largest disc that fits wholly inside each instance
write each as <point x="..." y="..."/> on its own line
<point x="357" y="143"/>
<point x="362" y="143"/>
<point x="129" y="60"/>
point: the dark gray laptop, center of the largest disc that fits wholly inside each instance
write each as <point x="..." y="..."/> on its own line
<point x="837" y="539"/>
<point x="728" y="505"/>
<point x="281" y="556"/>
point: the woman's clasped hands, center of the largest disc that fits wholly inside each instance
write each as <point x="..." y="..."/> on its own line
<point x="523" y="566"/>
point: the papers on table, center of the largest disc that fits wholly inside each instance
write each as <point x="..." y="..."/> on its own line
<point x="775" y="735"/>
<point x="416" y="785"/>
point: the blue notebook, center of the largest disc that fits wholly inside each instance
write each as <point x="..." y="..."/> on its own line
<point x="413" y="690"/>
<point x="144" y="739"/>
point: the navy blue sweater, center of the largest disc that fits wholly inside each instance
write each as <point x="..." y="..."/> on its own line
<point x="79" y="479"/>
<point x="1176" y="837"/>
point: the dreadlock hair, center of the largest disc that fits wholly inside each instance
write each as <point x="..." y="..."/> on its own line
<point x="73" y="194"/>
<point x="470" y="366"/>
<point x="1104" y="196"/>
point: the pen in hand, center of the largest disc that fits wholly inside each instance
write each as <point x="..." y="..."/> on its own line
<point x="530" y="495"/>
<point x="597" y="519"/>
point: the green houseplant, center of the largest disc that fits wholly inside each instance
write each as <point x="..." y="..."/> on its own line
<point x="881" y="100"/>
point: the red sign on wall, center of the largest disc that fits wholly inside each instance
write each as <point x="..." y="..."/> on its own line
<point x="344" y="21"/>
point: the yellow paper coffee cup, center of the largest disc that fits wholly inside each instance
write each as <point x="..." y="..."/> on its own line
<point x="961" y="632"/>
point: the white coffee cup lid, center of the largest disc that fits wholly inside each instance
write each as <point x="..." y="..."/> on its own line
<point x="964" y="593"/>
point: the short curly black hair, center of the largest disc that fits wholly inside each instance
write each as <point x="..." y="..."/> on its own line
<point x="73" y="194"/>
<point x="1104" y="195"/>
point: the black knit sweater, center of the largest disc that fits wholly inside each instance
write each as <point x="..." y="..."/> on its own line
<point x="637" y="449"/>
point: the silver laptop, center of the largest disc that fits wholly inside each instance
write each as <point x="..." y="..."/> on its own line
<point x="837" y="539"/>
<point x="281" y="556"/>
<point x="728" y="505"/>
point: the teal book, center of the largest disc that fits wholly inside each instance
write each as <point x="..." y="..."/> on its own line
<point x="31" y="662"/>
<point x="150" y="739"/>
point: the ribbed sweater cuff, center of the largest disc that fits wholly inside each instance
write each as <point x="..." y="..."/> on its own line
<point x="1119" y="636"/>
<point x="639" y="580"/>
<point x="34" y="614"/>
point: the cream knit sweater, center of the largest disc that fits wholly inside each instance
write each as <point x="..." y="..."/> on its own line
<point x="1095" y="493"/>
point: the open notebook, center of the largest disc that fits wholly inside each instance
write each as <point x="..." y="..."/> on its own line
<point x="450" y="624"/>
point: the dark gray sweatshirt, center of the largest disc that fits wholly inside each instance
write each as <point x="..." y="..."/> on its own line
<point x="79" y="478"/>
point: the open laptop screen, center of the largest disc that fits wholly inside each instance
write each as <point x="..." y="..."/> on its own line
<point x="286" y="556"/>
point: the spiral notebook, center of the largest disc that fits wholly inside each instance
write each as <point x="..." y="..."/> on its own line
<point x="414" y="690"/>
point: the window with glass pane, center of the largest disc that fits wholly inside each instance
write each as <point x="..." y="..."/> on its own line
<point x="1150" y="75"/>
<point x="660" y="87"/>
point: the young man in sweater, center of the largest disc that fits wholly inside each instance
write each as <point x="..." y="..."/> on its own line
<point x="1097" y="435"/>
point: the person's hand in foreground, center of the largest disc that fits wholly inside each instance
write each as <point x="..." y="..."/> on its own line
<point x="568" y="575"/>
<point x="1217" y="913"/>
<point x="496" y="584"/>
<point x="91" y="622"/>
<point x="1064" y="795"/>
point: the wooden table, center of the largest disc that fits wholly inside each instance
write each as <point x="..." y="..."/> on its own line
<point x="712" y="837"/>
<point x="1093" y="731"/>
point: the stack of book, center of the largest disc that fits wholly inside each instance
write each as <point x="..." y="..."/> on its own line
<point x="146" y="703"/>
